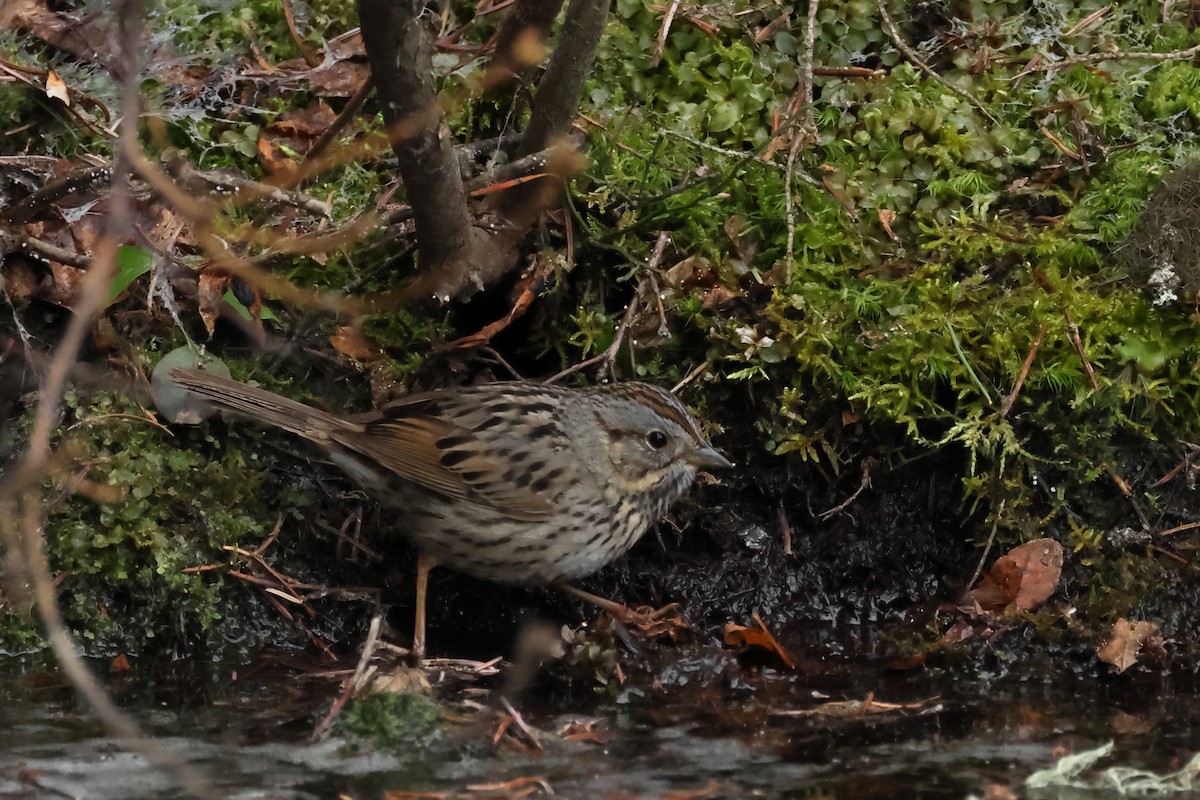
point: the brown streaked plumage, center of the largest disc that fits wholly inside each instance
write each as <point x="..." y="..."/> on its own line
<point x="512" y="482"/>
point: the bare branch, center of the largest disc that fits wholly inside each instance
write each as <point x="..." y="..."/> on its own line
<point x="519" y="42"/>
<point x="400" y="50"/>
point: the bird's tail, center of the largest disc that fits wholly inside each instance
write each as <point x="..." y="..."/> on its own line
<point x="259" y="404"/>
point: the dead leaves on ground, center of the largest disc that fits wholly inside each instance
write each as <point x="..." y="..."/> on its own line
<point x="1024" y="578"/>
<point x="1130" y="642"/>
<point x="52" y="241"/>
<point x="757" y="639"/>
<point x="1018" y="584"/>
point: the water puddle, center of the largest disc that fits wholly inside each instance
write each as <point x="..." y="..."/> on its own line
<point x="775" y="736"/>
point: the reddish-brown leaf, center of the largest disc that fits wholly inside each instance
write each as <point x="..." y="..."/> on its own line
<point x="212" y="287"/>
<point x="1026" y="576"/>
<point x="354" y="345"/>
<point x="757" y="638"/>
<point x="306" y="123"/>
<point x="274" y="160"/>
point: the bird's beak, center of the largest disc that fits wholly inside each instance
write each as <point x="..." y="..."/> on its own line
<point x="706" y="457"/>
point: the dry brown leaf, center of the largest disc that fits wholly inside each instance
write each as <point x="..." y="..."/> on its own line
<point x="886" y="217"/>
<point x="212" y="287"/>
<point x="19" y="279"/>
<point x="354" y="345"/>
<point x="56" y="88"/>
<point x="998" y="791"/>
<point x="89" y="37"/>
<point x="67" y="280"/>
<point x="1125" y="724"/>
<point x="1123" y="645"/>
<point x="756" y="638"/>
<point x="682" y="273"/>
<point x="274" y="160"/>
<point x="717" y="296"/>
<point x="1026" y="576"/>
<point x="960" y="631"/>
<point x="305" y="123"/>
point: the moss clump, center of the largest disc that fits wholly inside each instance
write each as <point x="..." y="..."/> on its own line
<point x="406" y="720"/>
<point x="122" y="563"/>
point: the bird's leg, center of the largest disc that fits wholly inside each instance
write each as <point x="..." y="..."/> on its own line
<point x="425" y="563"/>
<point x="663" y="621"/>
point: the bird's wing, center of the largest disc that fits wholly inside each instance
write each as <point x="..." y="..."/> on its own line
<point x="447" y="459"/>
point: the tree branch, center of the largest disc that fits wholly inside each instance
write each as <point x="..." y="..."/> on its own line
<point x="400" y="51"/>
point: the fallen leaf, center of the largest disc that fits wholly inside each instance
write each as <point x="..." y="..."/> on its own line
<point x="19" y="279"/>
<point x="682" y="273"/>
<point x="1125" y="724"/>
<point x="354" y="345"/>
<point x="959" y="632"/>
<point x="274" y="159"/>
<point x="1026" y="576"/>
<point x="212" y="286"/>
<point x="56" y="88"/>
<point x="717" y="296"/>
<point x="998" y="791"/>
<point x="1124" y="643"/>
<point x="65" y="289"/>
<point x="756" y="638"/>
<point x="90" y="38"/>
<point x="886" y="217"/>
<point x="306" y="123"/>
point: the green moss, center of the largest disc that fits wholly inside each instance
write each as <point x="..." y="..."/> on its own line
<point x="406" y="720"/>
<point x="996" y="235"/>
<point x="124" y="585"/>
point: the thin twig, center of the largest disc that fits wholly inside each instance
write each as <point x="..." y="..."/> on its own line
<point x="987" y="548"/>
<point x="1117" y="55"/>
<point x="1127" y="490"/>
<point x="1007" y="405"/>
<point x="789" y="210"/>
<point x="785" y="530"/>
<point x="806" y="135"/>
<point x="864" y="484"/>
<point x="1182" y="465"/>
<point x="663" y="30"/>
<point x="50" y="252"/>
<point x="347" y="113"/>
<point x="1180" y="529"/>
<point x="19" y="491"/>
<point x="889" y="25"/>
<point x="1078" y="342"/>
<point x="610" y="355"/>
<point x="83" y="180"/>
<point x="355" y="682"/>
<point x="530" y="736"/>
<point x="248" y="189"/>
<point x="700" y="369"/>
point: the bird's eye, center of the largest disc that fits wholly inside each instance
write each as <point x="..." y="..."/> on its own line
<point x="656" y="439"/>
